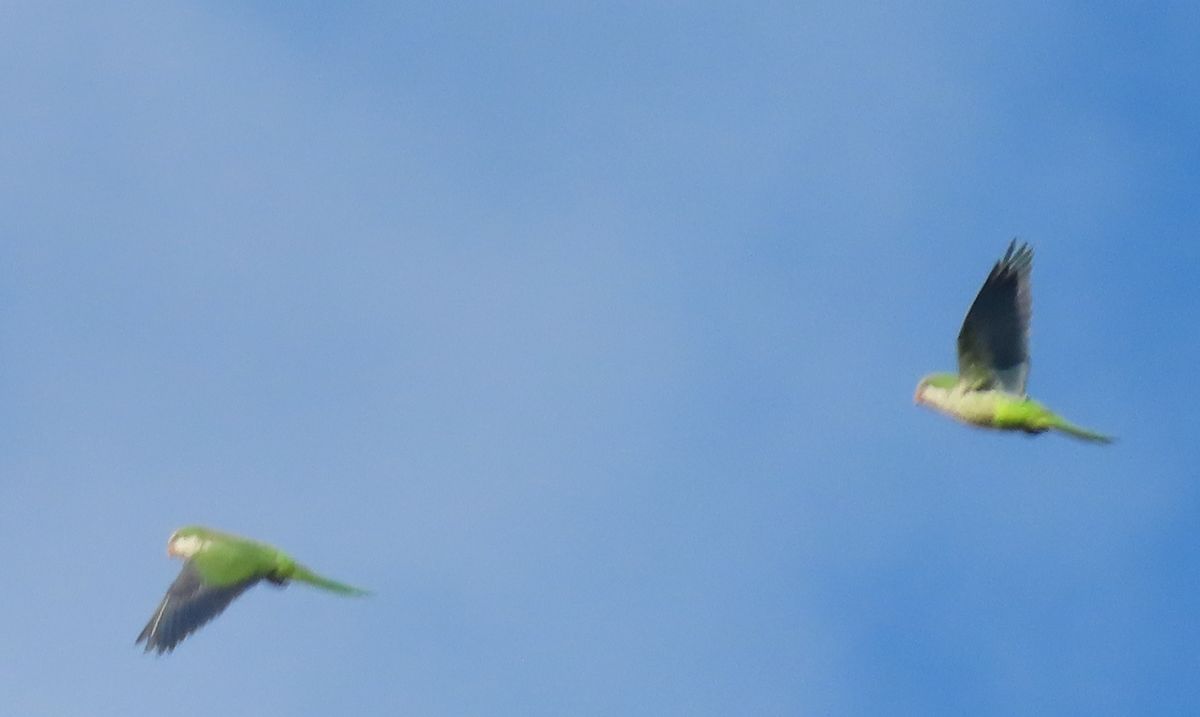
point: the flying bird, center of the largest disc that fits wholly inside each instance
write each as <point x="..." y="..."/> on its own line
<point x="993" y="359"/>
<point x="217" y="568"/>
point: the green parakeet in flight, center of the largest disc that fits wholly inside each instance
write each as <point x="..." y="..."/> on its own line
<point x="993" y="359"/>
<point x="217" y="568"/>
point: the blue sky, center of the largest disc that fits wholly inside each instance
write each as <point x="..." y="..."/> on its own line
<point x="585" y="335"/>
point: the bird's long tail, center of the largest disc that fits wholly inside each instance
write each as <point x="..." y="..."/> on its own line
<point x="1069" y="428"/>
<point x="303" y="574"/>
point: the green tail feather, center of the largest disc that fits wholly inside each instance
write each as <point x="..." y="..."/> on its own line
<point x="1070" y="428"/>
<point x="303" y="574"/>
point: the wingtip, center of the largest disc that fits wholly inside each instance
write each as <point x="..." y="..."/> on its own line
<point x="1016" y="257"/>
<point x="159" y="648"/>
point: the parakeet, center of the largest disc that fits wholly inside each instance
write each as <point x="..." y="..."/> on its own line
<point x="218" y="567"/>
<point x="993" y="359"/>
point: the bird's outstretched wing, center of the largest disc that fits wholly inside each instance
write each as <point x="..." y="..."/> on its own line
<point x="188" y="604"/>
<point x="993" y="345"/>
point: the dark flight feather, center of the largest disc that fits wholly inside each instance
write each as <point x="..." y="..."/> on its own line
<point x="187" y="606"/>
<point x="993" y="345"/>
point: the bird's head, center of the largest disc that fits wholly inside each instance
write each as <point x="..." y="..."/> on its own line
<point x="934" y="386"/>
<point x="186" y="542"/>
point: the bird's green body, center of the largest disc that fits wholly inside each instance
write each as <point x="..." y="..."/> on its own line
<point x="226" y="559"/>
<point x="1001" y="410"/>
<point x="219" y="567"/>
<point x="993" y="360"/>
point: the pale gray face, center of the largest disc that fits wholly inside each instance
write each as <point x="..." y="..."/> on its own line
<point x="919" y="396"/>
<point x="931" y="395"/>
<point x="185" y="546"/>
<point x="928" y="392"/>
<point x="936" y="388"/>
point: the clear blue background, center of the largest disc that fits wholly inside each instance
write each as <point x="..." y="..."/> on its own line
<point x="585" y="335"/>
